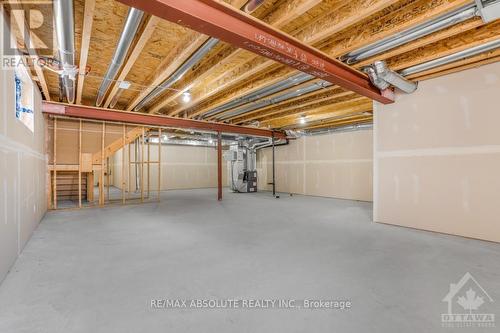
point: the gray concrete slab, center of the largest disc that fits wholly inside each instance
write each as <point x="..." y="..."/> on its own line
<point x="97" y="270"/>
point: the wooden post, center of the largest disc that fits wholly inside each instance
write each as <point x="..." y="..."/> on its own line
<point x="108" y="170"/>
<point x="274" y="169"/>
<point x="54" y="161"/>
<point x="123" y="165"/>
<point x="101" y="178"/>
<point x="142" y="166"/>
<point x="80" y="165"/>
<point x="90" y="186"/>
<point x="129" y="169"/>
<point x="48" y="175"/>
<point x="159" y="163"/>
<point x="219" y="166"/>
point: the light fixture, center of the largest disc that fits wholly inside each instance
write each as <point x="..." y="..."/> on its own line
<point x="210" y="141"/>
<point x="186" y="97"/>
<point x="302" y="119"/>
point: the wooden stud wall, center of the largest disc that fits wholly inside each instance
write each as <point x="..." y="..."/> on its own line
<point x="74" y="144"/>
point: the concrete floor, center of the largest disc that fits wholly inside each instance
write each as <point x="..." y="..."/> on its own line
<point x="96" y="270"/>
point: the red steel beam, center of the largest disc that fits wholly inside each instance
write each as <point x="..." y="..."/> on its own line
<point x="86" y="112"/>
<point x="233" y="26"/>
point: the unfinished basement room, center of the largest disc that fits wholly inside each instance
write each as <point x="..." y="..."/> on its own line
<point x="249" y="166"/>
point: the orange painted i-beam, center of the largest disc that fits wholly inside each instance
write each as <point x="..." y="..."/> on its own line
<point x="219" y="20"/>
<point x="89" y="112"/>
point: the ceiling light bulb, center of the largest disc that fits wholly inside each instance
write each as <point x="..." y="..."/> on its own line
<point x="210" y="141"/>
<point x="302" y="120"/>
<point x="186" y="97"/>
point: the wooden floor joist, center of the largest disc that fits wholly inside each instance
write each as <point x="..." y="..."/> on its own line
<point x="231" y="70"/>
<point x="232" y="26"/>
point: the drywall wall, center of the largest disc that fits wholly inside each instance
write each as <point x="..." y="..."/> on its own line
<point x="23" y="172"/>
<point x="337" y="165"/>
<point x="182" y="167"/>
<point x="437" y="156"/>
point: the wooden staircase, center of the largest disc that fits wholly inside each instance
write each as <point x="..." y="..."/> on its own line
<point x="118" y="144"/>
<point x="67" y="186"/>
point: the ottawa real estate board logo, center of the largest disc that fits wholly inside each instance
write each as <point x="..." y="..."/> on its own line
<point x="467" y="302"/>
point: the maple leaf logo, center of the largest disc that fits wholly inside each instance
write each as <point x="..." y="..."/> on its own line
<point x="470" y="301"/>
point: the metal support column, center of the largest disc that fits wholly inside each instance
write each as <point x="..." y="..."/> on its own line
<point x="219" y="166"/>
<point x="274" y="170"/>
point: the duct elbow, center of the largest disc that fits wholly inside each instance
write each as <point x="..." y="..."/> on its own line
<point x="69" y="86"/>
<point x="382" y="77"/>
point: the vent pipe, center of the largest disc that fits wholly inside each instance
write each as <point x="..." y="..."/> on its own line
<point x="179" y="73"/>
<point x="277" y="99"/>
<point x="65" y="32"/>
<point x="381" y="76"/>
<point x="262" y="92"/>
<point x="490" y="46"/>
<point x="249" y="8"/>
<point x="252" y="5"/>
<point x="421" y="30"/>
<point x="348" y="128"/>
<point x="130" y="27"/>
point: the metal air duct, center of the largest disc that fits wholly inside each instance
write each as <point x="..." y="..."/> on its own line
<point x="488" y="9"/>
<point x="179" y="73"/>
<point x="492" y="45"/>
<point x="348" y="128"/>
<point x="130" y="27"/>
<point x="411" y="34"/>
<point x="381" y="76"/>
<point x="252" y="5"/>
<point x="262" y="92"/>
<point x="266" y="102"/>
<point x="249" y="8"/>
<point x="65" y="32"/>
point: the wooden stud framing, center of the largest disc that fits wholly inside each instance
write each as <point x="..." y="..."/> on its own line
<point x="159" y="164"/>
<point x="108" y="168"/>
<point x="80" y="164"/>
<point x="101" y="177"/>
<point x="123" y="163"/>
<point x="149" y="163"/>
<point x="54" y="161"/>
<point x="129" y="168"/>
<point x="48" y="175"/>
<point x="142" y="165"/>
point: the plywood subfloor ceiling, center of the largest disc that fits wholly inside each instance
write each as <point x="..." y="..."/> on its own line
<point x="226" y="73"/>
